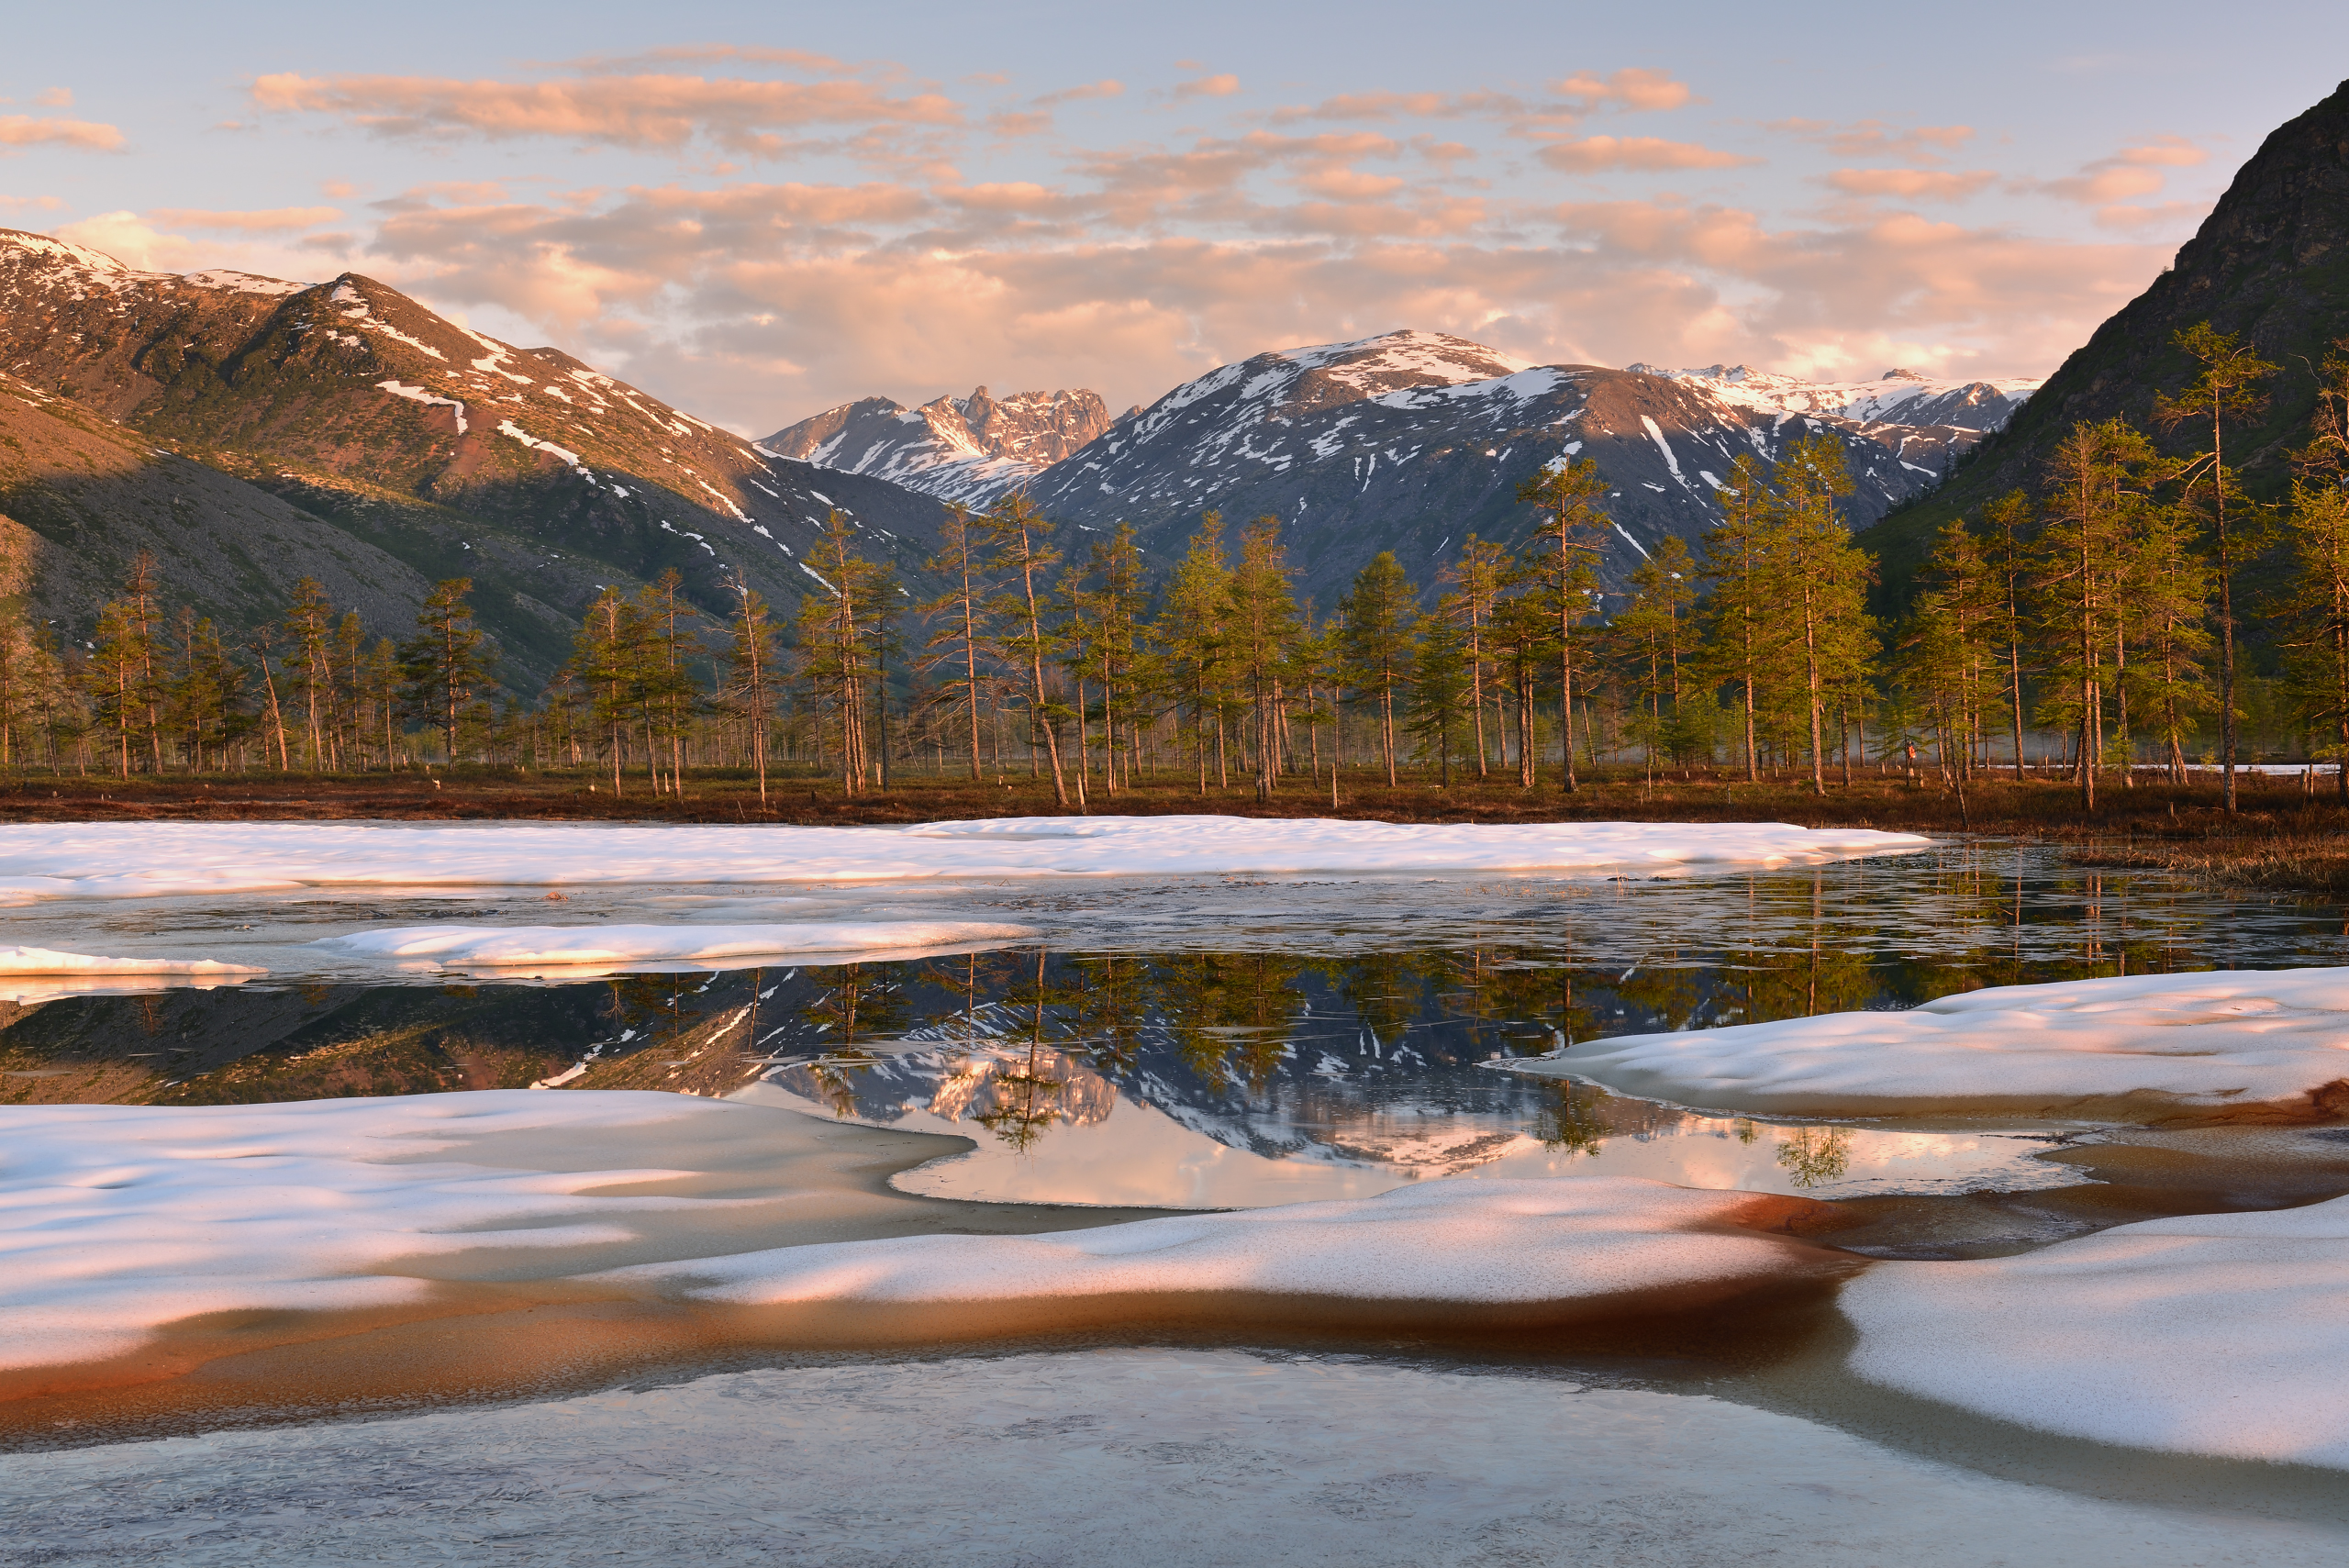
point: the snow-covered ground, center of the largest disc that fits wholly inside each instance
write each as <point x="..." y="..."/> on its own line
<point x="116" y="1219"/>
<point x="1156" y="1458"/>
<point x="2220" y="1039"/>
<point x="571" y="948"/>
<point x="41" y="861"/>
<point x="1461" y="1241"/>
<point x="2214" y="1334"/>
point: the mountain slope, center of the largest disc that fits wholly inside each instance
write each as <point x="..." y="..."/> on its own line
<point x="1412" y="441"/>
<point x="79" y="497"/>
<point x="969" y="449"/>
<point x="1895" y="397"/>
<point x="2270" y="262"/>
<point x="448" y="451"/>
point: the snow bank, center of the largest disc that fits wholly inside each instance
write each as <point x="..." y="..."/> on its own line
<point x="505" y="946"/>
<point x="44" y="960"/>
<point x="150" y="859"/>
<point x="116" y="1219"/>
<point x="2224" y="1038"/>
<point x="32" y="975"/>
<point x="2217" y="1334"/>
<point x="1466" y="1242"/>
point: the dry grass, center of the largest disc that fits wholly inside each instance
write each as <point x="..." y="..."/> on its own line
<point x="2280" y="840"/>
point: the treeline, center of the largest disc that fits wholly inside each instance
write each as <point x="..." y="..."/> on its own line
<point x="2098" y="613"/>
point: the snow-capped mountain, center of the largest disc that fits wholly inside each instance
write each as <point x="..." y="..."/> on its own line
<point x="1413" y="440"/>
<point x="1898" y="396"/>
<point x="958" y="449"/>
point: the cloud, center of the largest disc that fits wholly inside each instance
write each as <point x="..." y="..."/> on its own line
<point x="1105" y="88"/>
<point x="275" y="220"/>
<point x="1875" y="139"/>
<point x="1646" y="155"/>
<point x="1223" y="84"/>
<point x="2112" y="185"/>
<point x="37" y="203"/>
<point x="24" y="130"/>
<point x="718" y="54"/>
<point x="54" y="98"/>
<point x="639" y="112"/>
<point x="2165" y="216"/>
<point x="1628" y="89"/>
<point x="1910" y="184"/>
<point x="130" y="239"/>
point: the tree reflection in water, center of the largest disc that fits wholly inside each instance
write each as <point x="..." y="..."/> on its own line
<point x="1812" y="1156"/>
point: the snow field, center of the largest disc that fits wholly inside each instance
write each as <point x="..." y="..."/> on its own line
<point x="457" y="946"/>
<point x="41" y="861"/>
<point x="2214" y="1334"/>
<point x="116" y="1218"/>
<point x="1467" y="1241"/>
<point x="2226" y="1038"/>
<point x="19" y="960"/>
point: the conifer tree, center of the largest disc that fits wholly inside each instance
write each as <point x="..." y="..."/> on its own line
<point x="2007" y="524"/>
<point x="1521" y="636"/>
<point x="1265" y="628"/>
<point x="1822" y="579"/>
<point x="2097" y="477"/>
<point x="1739" y="616"/>
<point x="751" y="673"/>
<point x="1949" y="640"/>
<point x="1440" y="686"/>
<point x="1567" y="547"/>
<point x="1649" y="640"/>
<point x="605" y="654"/>
<point x="666" y="693"/>
<point x="445" y="664"/>
<point x="2225" y="391"/>
<point x="1015" y="532"/>
<point x="1192" y="632"/>
<point x="2317" y="610"/>
<point x="960" y="620"/>
<point x="1118" y="603"/>
<point x="2164" y="611"/>
<point x="1379" y="615"/>
<point x="840" y="645"/>
<point x="309" y="630"/>
<point x="1484" y="572"/>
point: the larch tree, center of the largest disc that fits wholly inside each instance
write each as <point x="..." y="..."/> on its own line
<point x="2225" y="390"/>
<point x="1440" y="686"/>
<point x="1265" y="630"/>
<point x="1484" y="572"/>
<point x="2317" y="609"/>
<point x="2007" y="526"/>
<point x="309" y="628"/>
<point x="1566" y="550"/>
<point x="1380" y="616"/>
<point x="840" y="644"/>
<point x="752" y="675"/>
<point x="958" y="617"/>
<point x="1647" y="640"/>
<point x="1016" y="532"/>
<point x="446" y="664"/>
<point x="2096" y="478"/>
<point x="1739" y="615"/>
<point x="1193" y="634"/>
<point x="2166" y="615"/>
<point x="1822" y="579"/>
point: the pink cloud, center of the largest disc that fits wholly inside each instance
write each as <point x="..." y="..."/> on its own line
<point x="1223" y="84"/>
<point x="1910" y="184"/>
<point x="1629" y="89"/>
<point x="1644" y="154"/>
<point x="643" y="112"/>
<point x="275" y="220"/>
<point x="54" y="98"/>
<point x="1875" y="138"/>
<point x="24" y="130"/>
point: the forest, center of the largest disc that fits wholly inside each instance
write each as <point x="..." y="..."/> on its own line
<point x="2089" y="629"/>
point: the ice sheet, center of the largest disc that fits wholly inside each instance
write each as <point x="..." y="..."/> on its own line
<point x="116" y="1219"/>
<point x="456" y="946"/>
<point x="2222" y="1037"/>
<point x="1467" y="1241"/>
<point x="2215" y="1334"/>
<point x="1144" y="1458"/>
<point x="46" y="861"/>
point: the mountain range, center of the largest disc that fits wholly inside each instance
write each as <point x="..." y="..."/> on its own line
<point x="251" y="431"/>
<point x="969" y="450"/>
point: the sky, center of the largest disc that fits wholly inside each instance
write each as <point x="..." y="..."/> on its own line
<point x="757" y="212"/>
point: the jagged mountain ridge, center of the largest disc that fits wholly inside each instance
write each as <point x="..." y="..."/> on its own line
<point x="2271" y="262"/>
<point x="1410" y="441"/>
<point x="1895" y="397"/>
<point x="377" y="422"/>
<point x="969" y="450"/>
